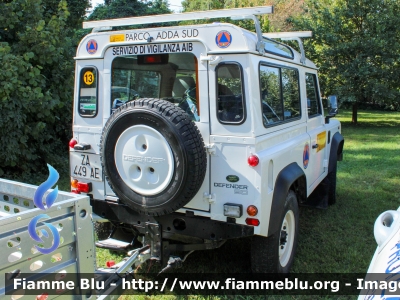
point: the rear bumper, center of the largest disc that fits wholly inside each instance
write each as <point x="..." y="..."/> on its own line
<point x="173" y="224"/>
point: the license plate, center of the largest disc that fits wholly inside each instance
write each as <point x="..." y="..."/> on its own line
<point x="85" y="165"/>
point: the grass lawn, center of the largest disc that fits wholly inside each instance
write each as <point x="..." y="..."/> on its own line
<point x="339" y="239"/>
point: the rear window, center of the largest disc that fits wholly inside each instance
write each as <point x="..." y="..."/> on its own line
<point x="171" y="77"/>
<point x="230" y="100"/>
<point x="87" y="102"/>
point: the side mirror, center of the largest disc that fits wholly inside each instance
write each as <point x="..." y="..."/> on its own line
<point x="333" y="112"/>
<point x="334" y="108"/>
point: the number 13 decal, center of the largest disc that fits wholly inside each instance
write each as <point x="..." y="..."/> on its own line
<point x="88" y="77"/>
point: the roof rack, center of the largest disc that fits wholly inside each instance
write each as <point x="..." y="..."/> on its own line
<point x="195" y="15"/>
<point x="291" y="36"/>
<point x="234" y="13"/>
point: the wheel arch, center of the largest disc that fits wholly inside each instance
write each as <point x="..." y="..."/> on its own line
<point x="336" y="152"/>
<point x="290" y="177"/>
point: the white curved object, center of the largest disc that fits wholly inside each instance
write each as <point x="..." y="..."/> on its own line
<point x="144" y="160"/>
<point x="384" y="226"/>
<point x="386" y="261"/>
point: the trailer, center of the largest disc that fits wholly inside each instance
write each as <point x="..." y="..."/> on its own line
<point x="23" y="265"/>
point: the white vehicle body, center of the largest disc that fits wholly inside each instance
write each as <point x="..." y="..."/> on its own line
<point x="383" y="269"/>
<point x="296" y="147"/>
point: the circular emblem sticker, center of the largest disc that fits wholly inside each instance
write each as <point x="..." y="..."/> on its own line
<point x="306" y="155"/>
<point x="88" y="77"/>
<point x="91" y="47"/>
<point x="223" y="39"/>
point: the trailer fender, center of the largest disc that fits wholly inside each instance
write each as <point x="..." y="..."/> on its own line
<point x="285" y="179"/>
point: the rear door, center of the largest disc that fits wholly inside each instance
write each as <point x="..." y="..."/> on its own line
<point x="178" y="77"/>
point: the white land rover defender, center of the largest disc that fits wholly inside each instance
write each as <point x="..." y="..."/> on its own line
<point x="187" y="136"/>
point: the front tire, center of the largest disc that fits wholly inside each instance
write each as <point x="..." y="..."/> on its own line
<point x="275" y="254"/>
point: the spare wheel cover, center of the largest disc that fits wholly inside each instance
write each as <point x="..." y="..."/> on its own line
<point x="144" y="160"/>
<point x="153" y="156"/>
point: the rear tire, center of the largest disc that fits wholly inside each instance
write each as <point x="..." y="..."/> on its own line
<point x="275" y="254"/>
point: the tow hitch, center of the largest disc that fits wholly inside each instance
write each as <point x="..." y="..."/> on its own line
<point x="154" y="249"/>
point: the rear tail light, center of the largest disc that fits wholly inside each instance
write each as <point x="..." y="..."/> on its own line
<point x="253" y="160"/>
<point x="252" y="210"/>
<point x="80" y="187"/>
<point x="84" y="187"/>
<point x="74" y="183"/>
<point x="72" y="143"/>
<point x="252" y="222"/>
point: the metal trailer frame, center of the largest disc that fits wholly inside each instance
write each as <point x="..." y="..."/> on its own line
<point x="70" y="214"/>
<point x="75" y="257"/>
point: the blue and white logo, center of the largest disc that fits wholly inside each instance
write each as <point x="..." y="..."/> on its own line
<point x="38" y="201"/>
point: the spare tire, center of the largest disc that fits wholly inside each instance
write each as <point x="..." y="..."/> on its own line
<point x="153" y="156"/>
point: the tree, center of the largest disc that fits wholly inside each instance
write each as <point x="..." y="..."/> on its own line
<point x="76" y="9"/>
<point x="36" y="84"/>
<point x="112" y="9"/>
<point x="203" y="5"/>
<point x="356" y="45"/>
<point x="283" y="10"/>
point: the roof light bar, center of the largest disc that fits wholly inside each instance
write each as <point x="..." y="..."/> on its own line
<point x="195" y="15"/>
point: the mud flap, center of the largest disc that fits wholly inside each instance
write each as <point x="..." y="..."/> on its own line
<point x="319" y="197"/>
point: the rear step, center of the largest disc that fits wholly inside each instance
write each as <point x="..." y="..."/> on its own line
<point x="119" y="240"/>
<point x="113" y="244"/>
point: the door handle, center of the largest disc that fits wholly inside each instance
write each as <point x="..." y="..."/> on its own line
<point x="315" y="146"/>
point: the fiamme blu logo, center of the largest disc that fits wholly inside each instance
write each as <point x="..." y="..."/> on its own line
<point x="38" y="201"/>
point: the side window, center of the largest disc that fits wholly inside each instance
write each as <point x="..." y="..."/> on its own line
<point x="290" y="93"/>
<point x="230" y="99"/>
<point x="87" y="102"/>
<point x="280" y="96"/>
<point x="313" y="102"/>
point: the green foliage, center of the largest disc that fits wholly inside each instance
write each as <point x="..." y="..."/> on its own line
<point x="128" y="8"/>
<point x="76" y="9"/>
<point x="203" y="5"/>
<point x="36" y="84"/>
<point x="356" y="44"/>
